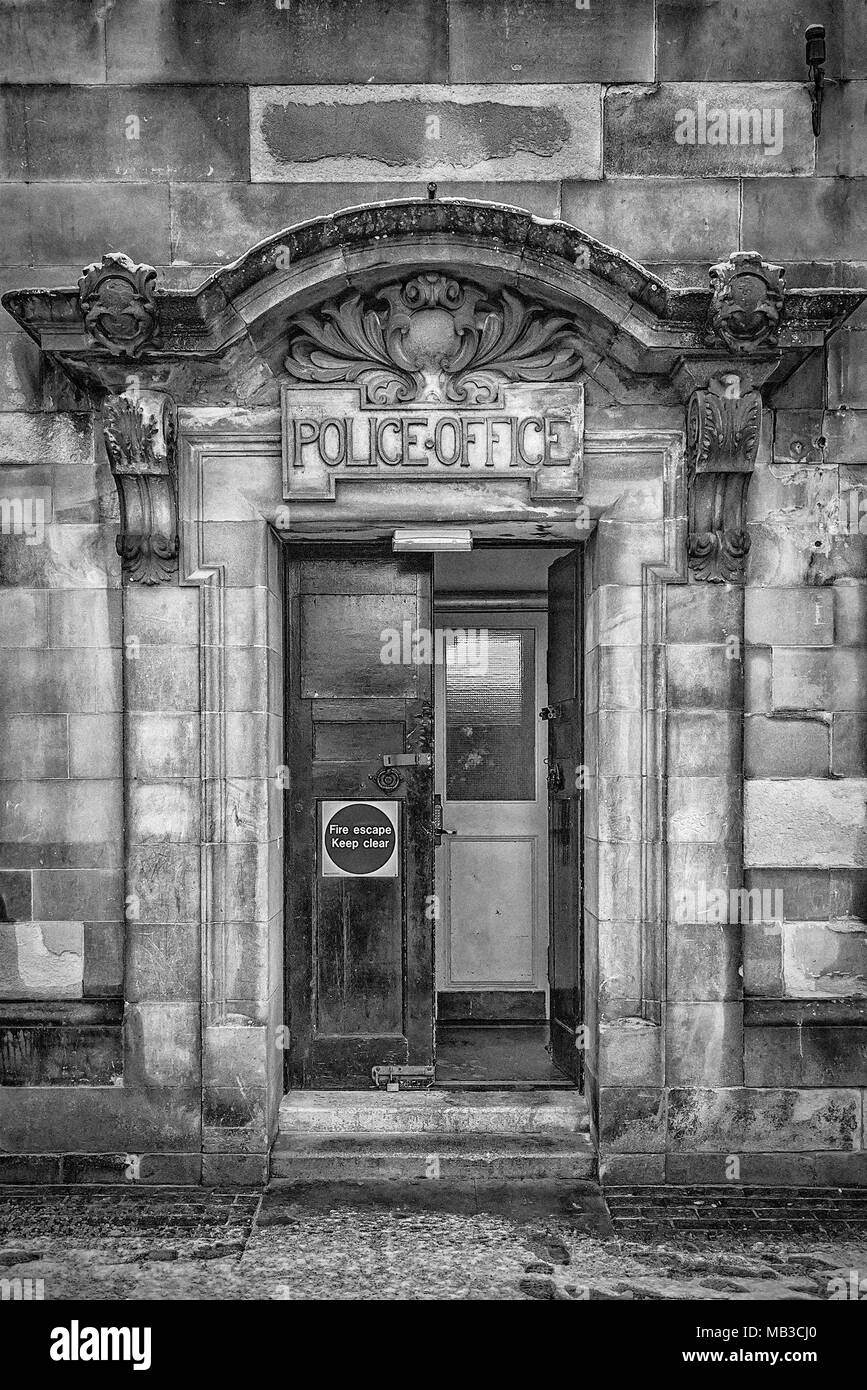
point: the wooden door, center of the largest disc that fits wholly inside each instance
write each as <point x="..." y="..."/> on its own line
<point x="565" y="810"/>
<point x="359" y="949"/>
<point x="492" y="872"/>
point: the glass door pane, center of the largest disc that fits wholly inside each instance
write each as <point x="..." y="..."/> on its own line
<point x="490" y="717"/>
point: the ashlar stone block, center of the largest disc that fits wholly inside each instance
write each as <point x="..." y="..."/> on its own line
<point x="41" y="960"/>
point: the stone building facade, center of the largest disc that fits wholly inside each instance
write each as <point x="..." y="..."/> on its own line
<point x="617" y="215"/>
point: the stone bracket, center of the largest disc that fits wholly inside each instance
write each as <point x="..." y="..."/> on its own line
<point x="723" y="431"/>
<point x="723" y="427"/>
<point x="140" y="434"/>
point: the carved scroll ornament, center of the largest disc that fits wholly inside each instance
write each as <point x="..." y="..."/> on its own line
<point x="139" y="434"/>
<point x="723" y="429"/>
<point x="432" y="338"/>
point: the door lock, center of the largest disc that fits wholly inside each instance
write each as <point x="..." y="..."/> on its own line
<point x="556" y="780"/>
<point x="388" y="779"/>
<point x="436" y="828"/>
<point x="550" y="712"/>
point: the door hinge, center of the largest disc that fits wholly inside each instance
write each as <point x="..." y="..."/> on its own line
<point x="389" y="1078"/>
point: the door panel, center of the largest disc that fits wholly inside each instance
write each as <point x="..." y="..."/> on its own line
<point x="359" y="950"/>
<point x="338" y="634"/>
<point x="491" y="888"/>
<point x="565" y="810"/>
<point x="492" y="874"/>
<point x="336" y="742"/>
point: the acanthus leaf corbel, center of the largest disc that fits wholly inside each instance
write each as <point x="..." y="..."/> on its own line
<point x="723" y="429"/>
<point x="140" y="432"/>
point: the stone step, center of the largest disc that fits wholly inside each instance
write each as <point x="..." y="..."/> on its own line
<point x="318" y="1157"/>
<point x="434" y="1112"/>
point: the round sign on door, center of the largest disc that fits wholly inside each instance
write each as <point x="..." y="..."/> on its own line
<point x="359" y="839"/>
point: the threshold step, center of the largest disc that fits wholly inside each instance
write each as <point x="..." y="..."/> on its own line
<point x="434" y="1112"/>
<point x="318" y="1157"/>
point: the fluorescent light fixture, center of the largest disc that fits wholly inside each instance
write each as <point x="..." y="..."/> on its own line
<point x="427" y="538"/>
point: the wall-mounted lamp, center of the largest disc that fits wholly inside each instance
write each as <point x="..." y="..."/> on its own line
<point x="814" y="36"/>
<point x="426" y="539"/>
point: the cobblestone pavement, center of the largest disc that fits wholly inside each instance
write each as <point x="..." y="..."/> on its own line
<point x="429" y="1241"/>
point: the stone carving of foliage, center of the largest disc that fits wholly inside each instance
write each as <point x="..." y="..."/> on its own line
<point x="432" y="338"/>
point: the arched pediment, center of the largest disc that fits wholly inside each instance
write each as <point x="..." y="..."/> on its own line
<point x="229" y="340"/>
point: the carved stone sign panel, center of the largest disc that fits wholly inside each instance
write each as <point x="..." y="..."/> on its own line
<point x="533" y="432"/>
<point x="432" y="378"/>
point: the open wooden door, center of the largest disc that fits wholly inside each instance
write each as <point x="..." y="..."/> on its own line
<point x="359" y="947"/>
<point x="565" y="811"/>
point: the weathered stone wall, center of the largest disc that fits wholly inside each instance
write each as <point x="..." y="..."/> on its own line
<point x="61" y="807"/>
<point x="181" y="132"/>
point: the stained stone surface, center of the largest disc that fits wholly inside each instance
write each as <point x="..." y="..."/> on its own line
<point x="404" y="132"/>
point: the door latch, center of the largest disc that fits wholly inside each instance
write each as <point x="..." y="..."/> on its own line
<point x="405" y="759"/>
<point x="391" y="1078"/>
<point x="550" y="712"/>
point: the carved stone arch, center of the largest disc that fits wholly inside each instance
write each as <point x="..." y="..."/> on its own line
<point x="231" y="329"/>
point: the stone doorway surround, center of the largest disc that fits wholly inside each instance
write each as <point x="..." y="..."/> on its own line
<point x="188" y="385"/>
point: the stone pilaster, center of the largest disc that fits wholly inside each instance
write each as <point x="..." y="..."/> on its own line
<point x="704" y="658"/>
